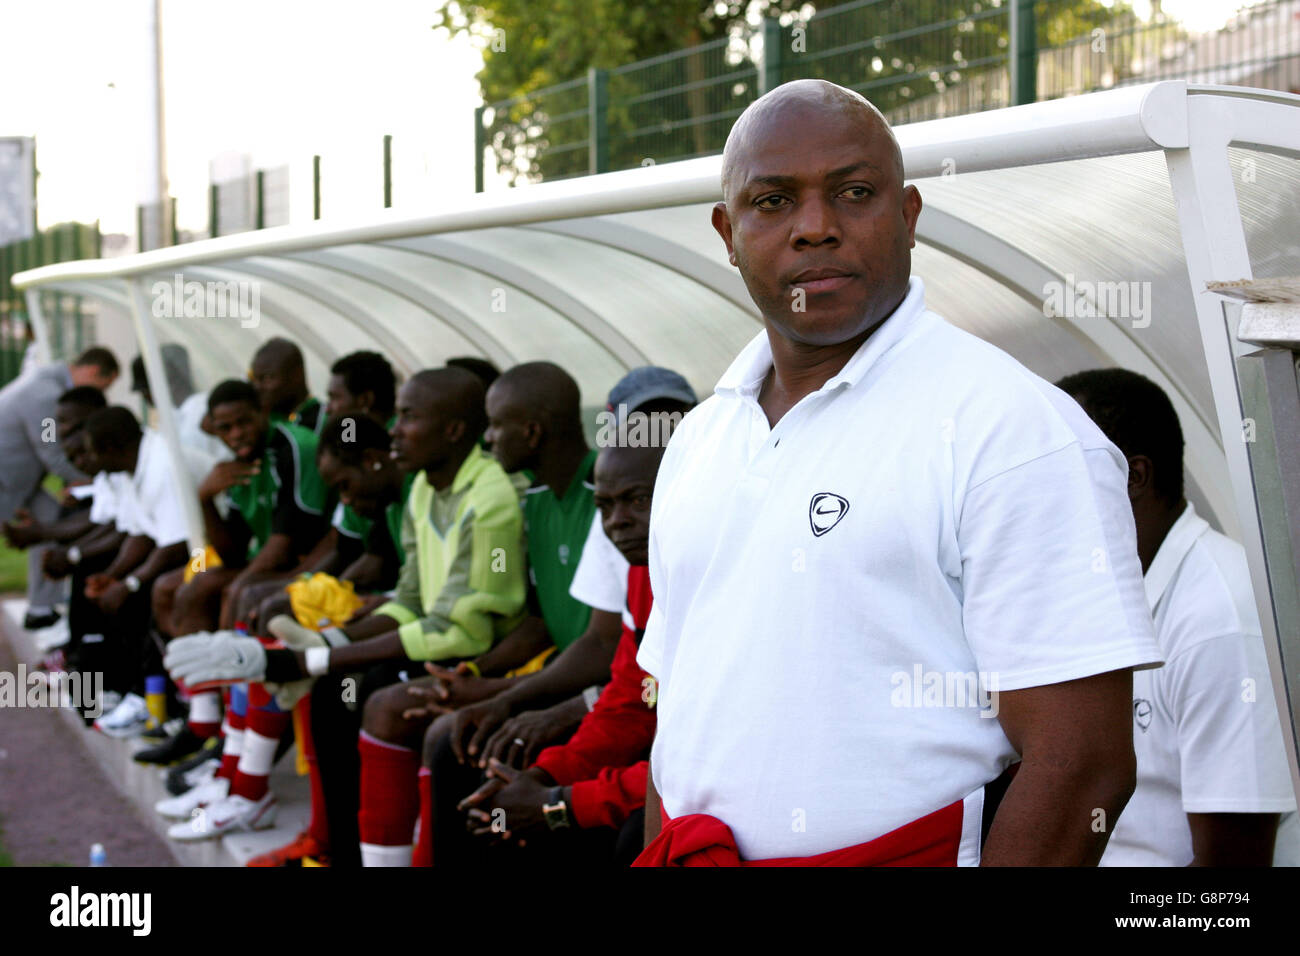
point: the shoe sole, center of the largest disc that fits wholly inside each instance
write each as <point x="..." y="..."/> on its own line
<point x="263" y="821"/>
<point x="121" y="733"/>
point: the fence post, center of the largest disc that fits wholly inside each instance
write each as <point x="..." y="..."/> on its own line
<point x="388" y="172"/>
<point x="597" y="120"/>
<point x="1024" y="53"/>
<point x="478" y="147"/>
<point x="176" y="233"/>
<point x="139" y="227"/>
<point x="315" y="186"/>
<point x="769" y="77"/>
<point x="213" y="227"/>
<point x="259" y="208"/>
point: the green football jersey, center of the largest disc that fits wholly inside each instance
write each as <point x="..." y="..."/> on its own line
<point x="557" y="529"/>
<point x="287" y="495"/>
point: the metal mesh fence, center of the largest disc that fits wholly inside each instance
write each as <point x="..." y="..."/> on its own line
<point x="678" y="105"/>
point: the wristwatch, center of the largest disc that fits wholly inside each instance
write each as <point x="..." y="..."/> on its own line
<point x="556" y="813"/>
<point x="132" y="583"/>
<point x="74" y="555"/>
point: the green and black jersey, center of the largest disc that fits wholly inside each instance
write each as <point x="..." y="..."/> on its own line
<point x="287" y="495"/>
<point x="309" y="415"/>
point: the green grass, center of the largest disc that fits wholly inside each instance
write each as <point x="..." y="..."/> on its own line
<point x="13" y="569"/>
<point x="5" y="858"/>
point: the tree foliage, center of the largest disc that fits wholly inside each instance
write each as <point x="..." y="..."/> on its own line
<point x="700" y="73"/>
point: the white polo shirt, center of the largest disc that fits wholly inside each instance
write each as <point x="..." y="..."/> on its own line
<point x="150" y="501"/>
<point x="827" y="590"/>
<point x="600" y="580"/>
<point x="1205" y="728"/>
<point x="105" y="489"/>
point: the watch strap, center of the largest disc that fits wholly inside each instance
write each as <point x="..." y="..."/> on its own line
<point x="555" y="810"/>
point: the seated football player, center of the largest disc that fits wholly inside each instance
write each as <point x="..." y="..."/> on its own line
<point x="461" y="587"/>
<point x="262" y="513"/>
<point x="581" y="800"/>
<point x="534" y="423"/>
<point x="150" y="515"/>
<point x="362" y="385"/>
<point x="280" y="377"/>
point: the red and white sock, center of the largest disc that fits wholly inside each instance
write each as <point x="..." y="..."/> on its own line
<point x="233" y="746"/>
<point x="205" y="713"/>
<point x="262" y="731"/>
<point x="389" y="801"/>
<point x="423" y="855"/>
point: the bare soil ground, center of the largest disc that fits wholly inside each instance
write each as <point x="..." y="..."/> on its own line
<point x="55" y="801"/>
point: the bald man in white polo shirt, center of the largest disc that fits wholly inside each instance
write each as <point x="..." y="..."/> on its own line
<point x="889" y="562"/>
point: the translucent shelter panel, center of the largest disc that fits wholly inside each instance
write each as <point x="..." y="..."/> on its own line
<point x="511" y="324"/>
<point x="688" y="226"/>
<point x="223" y="347"/>
<point x="980" y="304"/>
<point x="1108" y="220"/>
<point x="1049" y="348"/>
<point x="1268" y="194"/>
<point x="406" y="316"/>
<point x="351" y="310"/>
<point x="642" y="311"/>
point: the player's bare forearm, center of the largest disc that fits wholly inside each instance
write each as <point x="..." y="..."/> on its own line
<point x="274" y="556"/>
<point x="1076" y="774"/>
<point x="365" y="652"/>
<point x="104" y="540"/>
<point x="1232" y="839"/>
<point x="133" y="550"/>
<point x="584" y="662"/>
<point x="515" y="649"/>
<point x="365" y="573"/>
<point x="68" y="529"/>
<point x="162" y="560"/>
<point x="229" y="544"/>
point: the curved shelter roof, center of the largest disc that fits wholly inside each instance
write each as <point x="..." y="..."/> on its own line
<point x="1142" y="194"/>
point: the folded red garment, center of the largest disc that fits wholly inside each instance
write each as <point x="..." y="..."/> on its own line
<point x="698" y="839"/>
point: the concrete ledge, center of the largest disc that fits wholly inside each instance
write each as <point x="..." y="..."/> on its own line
<point x="144" y="786"/>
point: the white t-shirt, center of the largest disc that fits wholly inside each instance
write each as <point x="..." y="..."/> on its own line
<point x="105" y="489"/>
<point x="601" y="578"/>
<point x="1205" y="728"/>
<point x="150" y="502"/>
<point x="827" y="591"/>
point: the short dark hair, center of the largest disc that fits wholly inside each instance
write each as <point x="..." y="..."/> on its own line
<point x="111" y="426"/>
<point x="84" y="396"/>
<point x="368" y="372"/>
<point x="1136" y="414"/>
<point x="347" y="437"/>
<point x="103" y="360"/>
<point x="233" y="390"/>
<point x="485" y="370"/>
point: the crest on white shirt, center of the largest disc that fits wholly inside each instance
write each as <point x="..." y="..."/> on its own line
<point x="1142" y="713"/>
<point x="825" y="511"/>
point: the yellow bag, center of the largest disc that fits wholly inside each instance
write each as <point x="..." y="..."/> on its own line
<point x="322" y="600"/>
<point x="536" y="664"/>
<point x="210" y="559"/>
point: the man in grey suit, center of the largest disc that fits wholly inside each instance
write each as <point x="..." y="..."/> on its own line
<point x="29" y="451"/>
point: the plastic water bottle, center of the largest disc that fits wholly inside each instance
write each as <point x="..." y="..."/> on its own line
<point x="155" y="697"/>
<point x="97" y="855"/>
